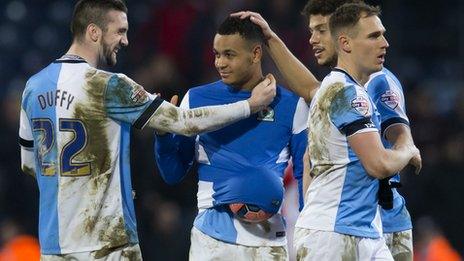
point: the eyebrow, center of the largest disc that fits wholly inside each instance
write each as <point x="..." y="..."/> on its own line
<point x="377" y="33"/>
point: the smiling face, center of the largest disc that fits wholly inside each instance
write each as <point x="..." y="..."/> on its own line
<point x="236" y="59"/>
<point x="321" y="40"/>
<point x="114" y="37"/>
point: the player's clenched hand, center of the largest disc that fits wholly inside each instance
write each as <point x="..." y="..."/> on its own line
<point x="263" y="94"/>
<point x="258" y="20"/>
<point x="416" y="161"/>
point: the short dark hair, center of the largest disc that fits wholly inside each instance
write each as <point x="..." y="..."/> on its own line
<point x="324" y="7"/>
<point x="93" y="11"/>
<point x="348" y="15"/>
<point x="244" y="27"/>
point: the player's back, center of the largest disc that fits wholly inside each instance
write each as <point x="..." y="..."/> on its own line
<point x="82" y="160"/>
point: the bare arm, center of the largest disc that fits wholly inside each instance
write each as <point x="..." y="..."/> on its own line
<point x="378" y="161"/>
<point x="400" y="135"/>
<point x="169" y="118"/>
<point x="300" y="80"/>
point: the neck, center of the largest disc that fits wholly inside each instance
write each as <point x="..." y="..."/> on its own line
<point x="85" y="51"/>
<point x="348" y="66"/>
<point x="253" y="81"/>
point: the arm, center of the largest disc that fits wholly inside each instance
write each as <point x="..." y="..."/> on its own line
<point x="306" y="173"/>
<point x="26" y="141"/>
<point x="400" y="136"/>
<point x="174" y="155"/>
<point x="378" y="161"/>
<point x="169" y="118"/>
<point x="298" y="145"/>
<point x="126" y="101"/>
<point x="300" y="80"/>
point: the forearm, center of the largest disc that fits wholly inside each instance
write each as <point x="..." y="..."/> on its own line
<point x="299" y="79"/>
<point x="174" y="156"/>
<point x="169" y="118"/>
<point x="395" y="160"/>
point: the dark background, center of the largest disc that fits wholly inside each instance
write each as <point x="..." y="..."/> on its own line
<point x="170" y="51"/>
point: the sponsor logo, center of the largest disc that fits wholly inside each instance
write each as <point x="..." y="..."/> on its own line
<point x="390" y="98"/>
<point x="361" y="105"/>
<point x="267" y="114"/>
<point x="280" y="233"/>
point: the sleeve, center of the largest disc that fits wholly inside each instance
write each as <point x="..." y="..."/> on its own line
<point x="26" y="140"/>
<point x="298" y="144"/>
<point x="174" y="154"/>
<point x="127" y="101"/>
<point x="388" y="97"/>
<point x="351" y="111"/>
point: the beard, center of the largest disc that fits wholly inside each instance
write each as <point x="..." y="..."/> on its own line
<point x="108" y="56"/>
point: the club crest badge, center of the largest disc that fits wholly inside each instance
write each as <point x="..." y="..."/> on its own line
<point x="266" y="114"/>
<point x="361" y="105"/>
<point x="390" y="98"/>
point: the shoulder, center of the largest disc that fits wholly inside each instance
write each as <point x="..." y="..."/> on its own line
<point x="213" y="86"/>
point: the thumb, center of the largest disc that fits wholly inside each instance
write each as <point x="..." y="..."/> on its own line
<point x="174" y="100"/>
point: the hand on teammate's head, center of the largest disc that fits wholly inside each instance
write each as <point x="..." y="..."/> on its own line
<point x="258" y="20"/>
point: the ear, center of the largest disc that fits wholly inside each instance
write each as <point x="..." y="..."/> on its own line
<point x="257" y="53"/>
<point x="344" y="42"/>
<point x="94" y="32"/>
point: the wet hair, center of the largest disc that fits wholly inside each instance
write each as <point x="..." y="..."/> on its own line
<point x="348" y="15"/>
<point x="324" y="7"/>
<point x="93" y="11"/>
<point x="244" y="27"/>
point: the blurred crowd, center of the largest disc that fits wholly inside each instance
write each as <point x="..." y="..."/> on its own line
<point x="170" y="51"/>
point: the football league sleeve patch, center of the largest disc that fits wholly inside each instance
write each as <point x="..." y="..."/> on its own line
<point x="389" y="100"/>
<point x="127" y="101"/>
<point x="351" y="111"/>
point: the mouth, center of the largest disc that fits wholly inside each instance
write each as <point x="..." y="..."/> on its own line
<point x="318" y="51"/>
<point x="224" y="74"/>
<point x="381" y="58"/>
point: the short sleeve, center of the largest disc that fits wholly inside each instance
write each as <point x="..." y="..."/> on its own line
<point x="127" y="101"/>
<point x="388" y="97"/>
<point x="351" y="110"/>
<point x="25" y="132"/>
<point x="300" y="119"/>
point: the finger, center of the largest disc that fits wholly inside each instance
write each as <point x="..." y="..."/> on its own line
<point x="174" y="100"/>
<point x="271" y="78"/>
<point x="238" y="14"/>
<point x="266" y="82"/>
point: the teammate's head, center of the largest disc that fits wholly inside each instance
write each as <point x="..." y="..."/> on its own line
<point x="238" y="51"/>
<point x="102" y="23"/>
<point x="358" y="34"/>
<point x="318" y="13"/>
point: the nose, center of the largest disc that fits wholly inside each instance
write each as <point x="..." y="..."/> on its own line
<point x="313" y="39"/>
<point x="124" y="41"/>
<point x="219" y="62"/>
<point x="385" y="43"/>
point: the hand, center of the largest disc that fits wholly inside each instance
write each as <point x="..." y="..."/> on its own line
<point x="416" y="161"/>
<point x="258" y="20"/>
<point x="263" y="94"/>
<point x="174" y="100"/>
